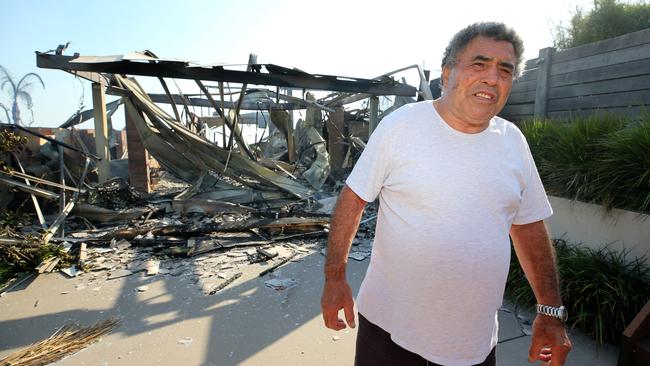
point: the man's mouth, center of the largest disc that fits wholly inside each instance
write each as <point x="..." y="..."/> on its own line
<point x="484" y="95"/>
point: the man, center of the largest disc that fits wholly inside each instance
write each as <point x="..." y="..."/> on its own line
<point x="453" y="182"/>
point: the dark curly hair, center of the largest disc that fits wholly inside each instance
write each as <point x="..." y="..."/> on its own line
<point x="492" y="30"/>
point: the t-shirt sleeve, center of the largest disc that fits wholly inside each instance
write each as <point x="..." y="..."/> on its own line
<point x="534" y="205"/>
<point x="374" y="164"/>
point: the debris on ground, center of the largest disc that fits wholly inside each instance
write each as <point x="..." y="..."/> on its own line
<point x="142" y="288"/>
<point x="185" y="341"/>
<point x="280" y="284"/>
<point x="64" y="342"/>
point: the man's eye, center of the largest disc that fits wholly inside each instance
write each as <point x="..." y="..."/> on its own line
<point x="478" y="65"/>
<point x="506" y="72"/>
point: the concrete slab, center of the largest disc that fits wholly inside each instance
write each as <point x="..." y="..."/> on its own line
<point x="509" y="326"/>
<point x="247" y="323"/>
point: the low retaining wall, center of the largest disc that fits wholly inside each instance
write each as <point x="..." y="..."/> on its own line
<point x="593" y="227"/>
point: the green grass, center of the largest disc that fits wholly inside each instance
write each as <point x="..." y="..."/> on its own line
<point x="602" y="289"/>
<point x="602" y="159"/>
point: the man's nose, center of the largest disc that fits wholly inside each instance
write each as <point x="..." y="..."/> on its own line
<point x="491" y="75"/>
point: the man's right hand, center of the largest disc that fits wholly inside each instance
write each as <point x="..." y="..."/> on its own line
<point x="337" y="295"/>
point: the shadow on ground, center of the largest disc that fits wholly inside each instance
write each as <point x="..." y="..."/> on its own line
<point x="172" y="321"/>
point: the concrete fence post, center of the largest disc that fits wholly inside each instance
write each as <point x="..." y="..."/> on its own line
<point x="543" y="73"/>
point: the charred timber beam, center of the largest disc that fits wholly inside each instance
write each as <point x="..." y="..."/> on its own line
<point x="93" y="76"/>
<point x="201" y="102"/>
<point x="30" y="189"/>
<point x="181" y="71"/>
<point x="55" y="142"/>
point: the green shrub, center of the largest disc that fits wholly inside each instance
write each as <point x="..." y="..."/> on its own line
<point x="623" y="171"/>
<point x="602" y="289"/>
<point x="602" y="159"/>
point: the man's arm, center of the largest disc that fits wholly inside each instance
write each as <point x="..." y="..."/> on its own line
<point x="337" y="294"/>
<point x="537" y="258"/>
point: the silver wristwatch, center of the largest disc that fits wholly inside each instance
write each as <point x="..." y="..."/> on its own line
<point x="556" y="312"/>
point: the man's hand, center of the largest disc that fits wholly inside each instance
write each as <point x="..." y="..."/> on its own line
<point x="337" y="295"/>
<point x="550" y="342"/>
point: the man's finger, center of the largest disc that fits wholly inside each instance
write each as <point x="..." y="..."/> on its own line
<point x="535" y="350"/>
<point x="332" y="320"/>
<point x="325" y="319"/>
<point x="544" y="354"/>
<point x="349" y="315"/>
<point x="338" y="323"/>
<point x="560" y="354"/>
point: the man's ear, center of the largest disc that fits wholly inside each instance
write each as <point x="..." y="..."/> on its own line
<point x="445" y="75"/>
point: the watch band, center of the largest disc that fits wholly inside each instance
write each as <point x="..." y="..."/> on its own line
<point x="553" y="311"/>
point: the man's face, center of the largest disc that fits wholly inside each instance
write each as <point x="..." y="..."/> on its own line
<point x="477" y="87"/>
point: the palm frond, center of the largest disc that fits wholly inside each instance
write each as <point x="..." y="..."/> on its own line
<point x="26" y="97"/>
<point x="5" y="72"/>
<point x="28" y="76"/>
<point x="6" y="109"/>
<point x="26" y="86"/>
<point x="7" y="79"/>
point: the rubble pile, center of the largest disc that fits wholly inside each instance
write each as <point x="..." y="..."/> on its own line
<point x="208" y="249"/>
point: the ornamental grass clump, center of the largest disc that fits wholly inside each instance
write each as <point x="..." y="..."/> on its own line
<point x="623" y="170"/>
<point x="601" y="159"/>
<point x="602" y="289"/>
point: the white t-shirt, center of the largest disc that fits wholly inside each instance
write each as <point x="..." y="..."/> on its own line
<point x="441" y="252"/>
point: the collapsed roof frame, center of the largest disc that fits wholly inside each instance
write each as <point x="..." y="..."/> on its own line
<point x="276" y="75"/>
<point x="102" y="71"/>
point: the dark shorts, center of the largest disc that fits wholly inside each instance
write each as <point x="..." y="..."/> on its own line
<point x="375" y="348"/>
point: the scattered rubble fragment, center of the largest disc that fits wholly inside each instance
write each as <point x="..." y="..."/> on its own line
<point x="280" y="284"/>
<point x="185" y="341"/>
<point x="119" y="274"/>
<point x="70" y="271"/>
<point x="225" y="283"/>
<point x="142" y="288"/>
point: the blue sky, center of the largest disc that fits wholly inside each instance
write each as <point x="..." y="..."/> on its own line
<point x="350" y="38"/>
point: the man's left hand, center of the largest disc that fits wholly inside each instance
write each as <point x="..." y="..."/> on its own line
<point x="550" y="342"/>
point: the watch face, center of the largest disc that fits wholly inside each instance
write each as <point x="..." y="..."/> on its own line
<point x="564" y="315"/>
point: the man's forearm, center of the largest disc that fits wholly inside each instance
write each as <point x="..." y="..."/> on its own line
<point x="537" y="258"/>
<point x="550" y="342"/>
<point x="344" y="225"/>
